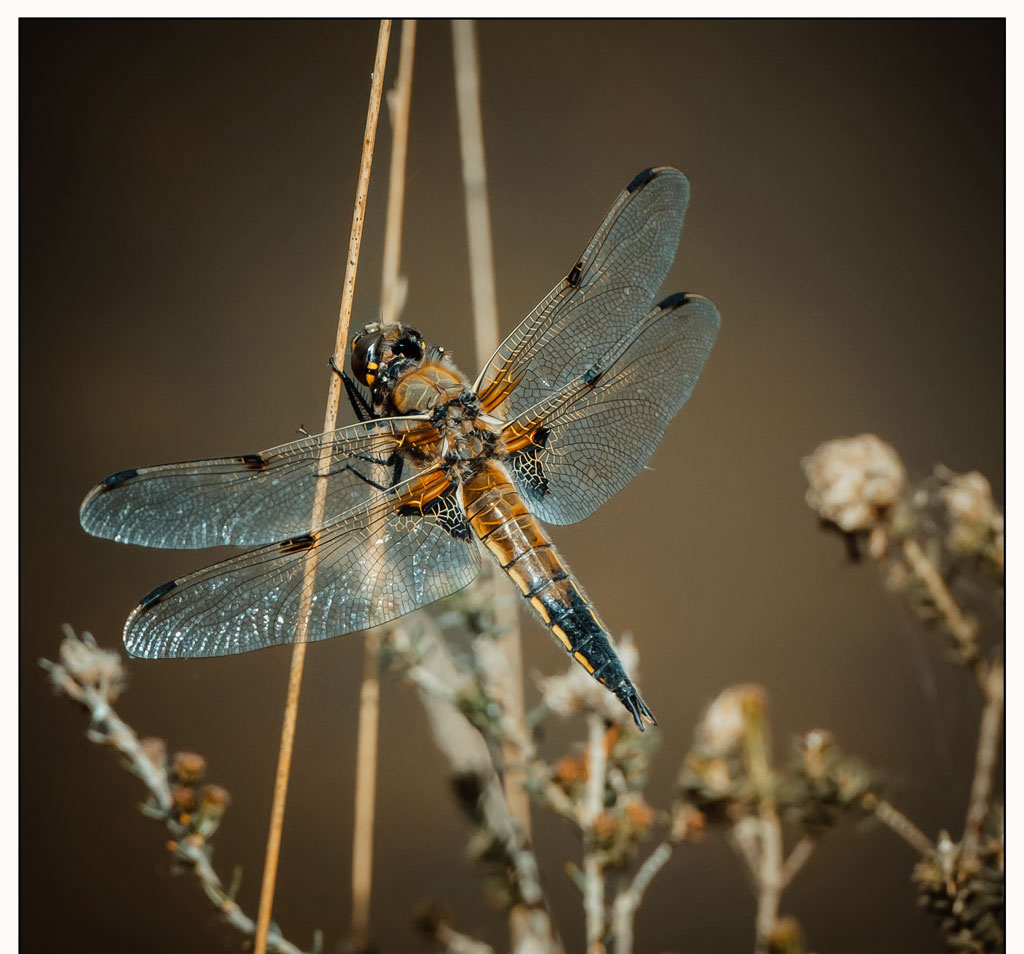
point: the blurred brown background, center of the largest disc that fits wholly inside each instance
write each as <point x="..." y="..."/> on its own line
<point x="186" y="192"/>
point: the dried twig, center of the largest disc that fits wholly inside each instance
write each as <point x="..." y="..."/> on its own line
<point x="593" y="870"/>
<point x="94" y="677"/>
<point x="629" y="899"/>
<point x="369" y="694"/>
<point x="320" y="498"/>
<point x="964" y="632"/>
<point x="985" y="761"/>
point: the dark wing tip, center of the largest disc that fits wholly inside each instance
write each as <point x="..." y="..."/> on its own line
<point x="640" y="179"/>
<point x="114" y="480"/>
<point x="156" y="595"/>
<point x="675" y="300"/>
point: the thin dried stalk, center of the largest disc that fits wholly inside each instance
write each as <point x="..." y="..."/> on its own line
<point x="628" y="900"/>
<point x="803" y="850"/>
<point x="319" y="502"/>
<point x="961" y="628"/>
<point x="369" y="693"/>
<point x="985" y="761"/>
<point x="897" y="822"/>
<point x="593" y="871"/>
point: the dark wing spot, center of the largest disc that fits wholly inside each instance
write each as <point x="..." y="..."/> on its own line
<point x="528" y="469"/>
<point x="253" y="461"/>
<point x="575" y="274"/>
<point x="297" y="544"/>
<point x="640" y="180"/>
<point x="591" y="375"/>
<point x="446" y="511"/>
<point x="673" y="301"/>
<point x="119" y="478"/>
<point x="158" y="594"/>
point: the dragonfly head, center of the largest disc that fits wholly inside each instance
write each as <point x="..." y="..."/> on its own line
<point x="380" y="345"/>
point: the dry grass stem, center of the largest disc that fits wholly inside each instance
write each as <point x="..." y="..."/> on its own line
<point x="309" y="577"/>
<point x="392" y="300"/>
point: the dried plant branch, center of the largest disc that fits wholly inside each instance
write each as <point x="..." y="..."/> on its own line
<point x="963" y="630"/>
<point x="628" y="900"/>
<point x="319" y="502"/>
<point x="798" y="857"/>
<point x="985" y="761"/>
<point x="897" y="822"/>
<point x="392" y="299"/>
<point x="447" y="692"/>
<point x="94" y="677"/>
<point x="593" y="870"/>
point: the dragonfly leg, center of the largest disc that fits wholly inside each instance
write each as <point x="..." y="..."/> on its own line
<point x="362" y="410"/>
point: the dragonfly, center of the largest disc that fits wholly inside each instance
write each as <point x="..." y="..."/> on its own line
<point x="437" y="469"/>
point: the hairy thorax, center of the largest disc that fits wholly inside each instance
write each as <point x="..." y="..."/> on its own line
<point x="466" y="435"/>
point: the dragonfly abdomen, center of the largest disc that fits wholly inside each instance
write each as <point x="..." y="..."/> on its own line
<point x="513" y="535"/>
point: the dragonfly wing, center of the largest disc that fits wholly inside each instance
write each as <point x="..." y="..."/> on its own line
<point x="582" y="445"/>
<point x="608" y="292"/>
<point x="252" y="499"/>
<point x="409" y="546"/>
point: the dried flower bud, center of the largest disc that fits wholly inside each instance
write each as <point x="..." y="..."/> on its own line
<point x="853" y="481"/>
<point x="639" y="815"/>
<point x="968" y="897"/>
<point x="605" y="827"/>
<point x="183" y="799"/>
<point x="976" y="523"/>
<point x="570" y="772"/>
<point x="213" y="802"/>
<point x="725" y="721"/>
<point x="188" y="767"/>
<point x="786" y="937"/>
<point x="688" y="821"/>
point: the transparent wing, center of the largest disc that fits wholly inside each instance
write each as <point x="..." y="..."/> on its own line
<point x="406" y="548"/>
<point x="252" y="499"/>
<point x="605" y="294"/>
<point x="584" y="444"/>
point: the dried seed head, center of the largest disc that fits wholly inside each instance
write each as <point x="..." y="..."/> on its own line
<point x="854" y="481"/>
<point x="725" y="721"/>
<point x="188" y="767"/>
<point x="786" y="937"/>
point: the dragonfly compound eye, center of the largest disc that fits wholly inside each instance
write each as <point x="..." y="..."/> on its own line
<point x="365" y="350"/>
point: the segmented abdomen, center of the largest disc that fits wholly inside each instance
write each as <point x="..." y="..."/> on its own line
<point x="506" y="527"/>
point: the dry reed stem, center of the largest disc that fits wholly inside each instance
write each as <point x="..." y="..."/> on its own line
<point x="985" y="761"/>
<point x="319" y="502"/>
<point x="485" y="323"/>
<point x="369" y="693"/>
